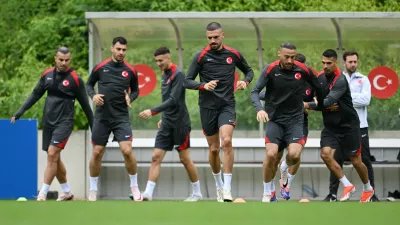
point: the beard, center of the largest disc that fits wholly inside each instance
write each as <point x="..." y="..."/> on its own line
<point x="351" y="70"/>
<point x="215" y="46"/>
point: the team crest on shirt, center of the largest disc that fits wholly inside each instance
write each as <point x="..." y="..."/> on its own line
<point x="124" y="73"/>
<point x="360" y="81"/>
<point x="229" y="60"/>
<point x="65" y="83"/>
<point x="308" y="91"/>
<point x="297" y="76"/>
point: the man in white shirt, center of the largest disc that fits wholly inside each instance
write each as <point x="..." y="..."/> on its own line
<point x="361" y="94"/>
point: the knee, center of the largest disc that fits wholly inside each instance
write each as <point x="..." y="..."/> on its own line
<point x="272" y="156"/>
<point x="325" y="156"/>
<point x="294" y="156"/>
<point x="185" y="160"/>
<point x="214" y="149"/>
<point x="356" y="160"/>
<point x="226" y="142"/>
<point x="156" y="159"/>
<point x="52" y="156"/>
<point x="97" y="153"/>
<point x="126" y="151"/>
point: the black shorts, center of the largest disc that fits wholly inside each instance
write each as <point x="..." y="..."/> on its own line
<point x="57" y="136"/>
<point x="213" y="119"/>
<point x="305" y="127"/>
<point x="348" y="141"/>
<point x="102" y="129"/>
<point x="283" y="135"/>
<point x="167" y="138"/>
<point x="283" y="145"/>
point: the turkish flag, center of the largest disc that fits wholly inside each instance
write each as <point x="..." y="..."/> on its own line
<point x="147" y="79"/>
<point x="384" y="82"/>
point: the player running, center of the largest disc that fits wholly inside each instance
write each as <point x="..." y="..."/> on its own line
<point x="216" y="65"/>
<point x="174" y="126"/>
<point x="308" y="95"/>
<point x="284" y="81"/>
<point x="341" y="127"/>
<point x="63" y="86"/>
<point x="116" y="78"/>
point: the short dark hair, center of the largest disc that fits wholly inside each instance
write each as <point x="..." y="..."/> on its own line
<point x="121" y="40"/>
<point x="330" y="53"/>
<point x="63" y="50"/>
<point x="349" y="53"/>
<point x="213" y="26"/>
<point x="161" y="51"/>
<point x="300" y="57"/>
<point x="288" y="45"/>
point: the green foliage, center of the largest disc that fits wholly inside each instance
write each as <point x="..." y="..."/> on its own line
<point x="31" y="31"/>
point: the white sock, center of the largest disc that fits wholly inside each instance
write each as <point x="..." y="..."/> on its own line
<point x="267" y="188"/>
<point x="218" y="180"/>
<point x="196" y="188"/>
<point x="367" y="186"/>
<point x="344" y="181"/>
<point x="150" y="188"/>
<point x="284" y="166"/>
<point x="45" y="189"/>
<point x="93" y="183"/>
<point x="227" y="181"/>
<point x="290" y="179"/>
<point x="65" y="187"/>
<point x="273" y="185"/>
<point x="133" y="180"/>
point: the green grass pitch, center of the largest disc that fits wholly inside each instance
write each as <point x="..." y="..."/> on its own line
<point x="109" y="212"/>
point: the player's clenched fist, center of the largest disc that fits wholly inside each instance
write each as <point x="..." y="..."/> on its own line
<point x="262" y="116"/>
<point x="210" y="86"/>
<point x="241" y="85"/>
<point x="98" y="99"/>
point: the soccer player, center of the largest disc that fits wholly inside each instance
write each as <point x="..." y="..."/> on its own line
<point x="360" y="89"/>
<point x="117" y="89"/>
<point x="341" y="127"/>
<point x="308" y="95"/>
<point x="216" y="65"/>
<point x="63" y="86"/>
<point x="284" y="81"/>
<point x="174" y="126"/>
